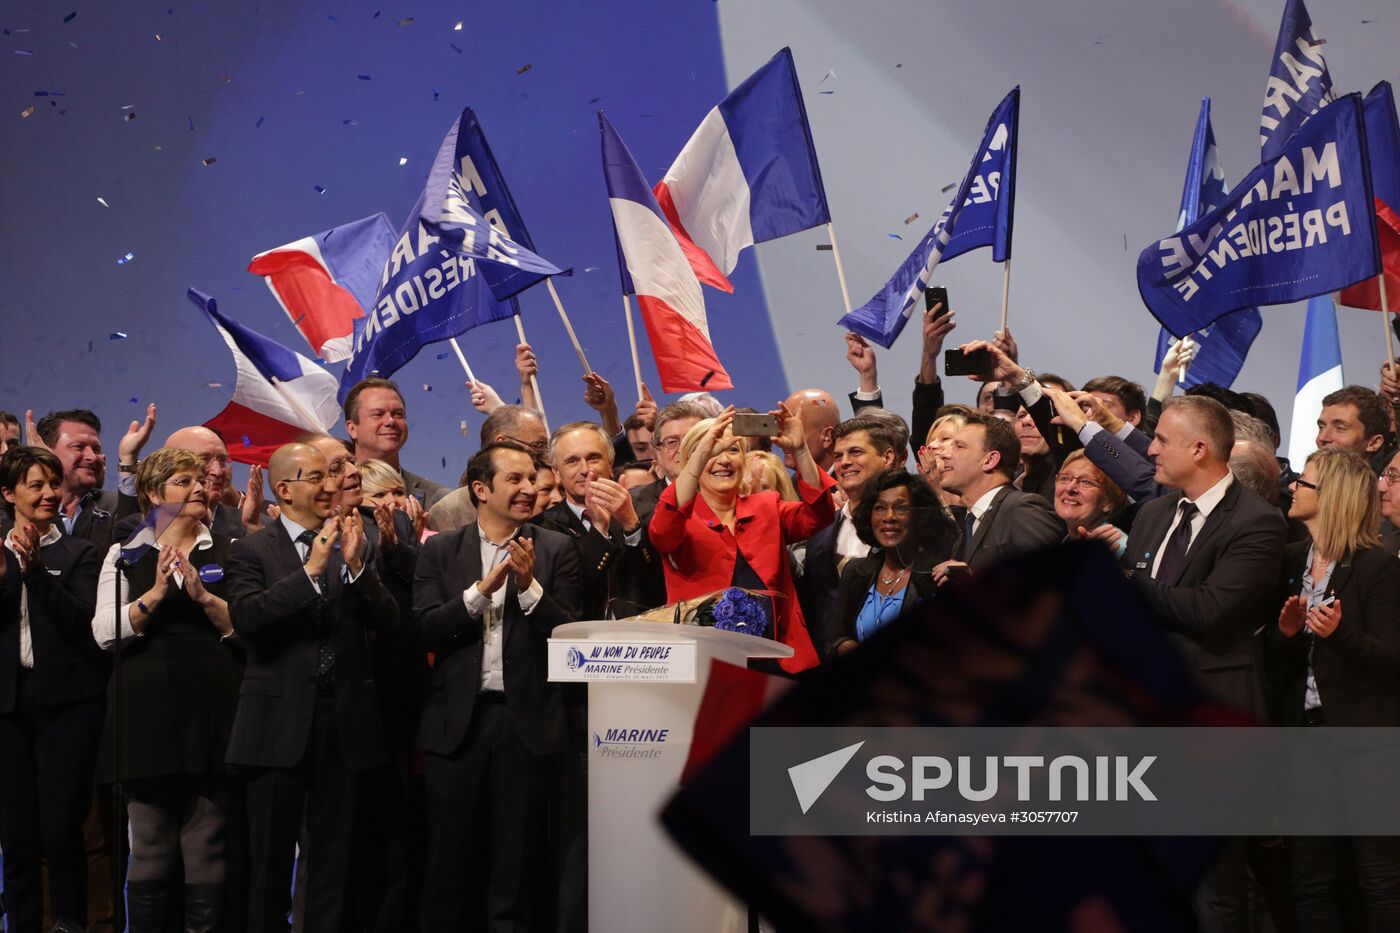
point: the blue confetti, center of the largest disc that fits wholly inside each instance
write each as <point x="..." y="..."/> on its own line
<point x="330" y="17"/>
<point x="364" y="77"/>
<point x="29" y="53"/>
<point x="455" y="49"/>
<point x="894" y="236"/>
<point x="376" y="14"/>
<point x="134" y="400"/>
<point x="259" y="123"/>
<point x="443" y="356"/>
<point x="320" y="190"/>
<point x="116" y="335"/>
<point x="70" y="17"/>
<point x="826" y="92"/>
<point x="435" y="93"/>
<point x="191" y="119"/>
<point x="246" y="442"/>
<point x="349" y="122"/>
<point x="124" y="260"/>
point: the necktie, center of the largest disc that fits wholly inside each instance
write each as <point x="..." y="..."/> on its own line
<point x="1174" y="551"/>
<point x="325" y="644"/>
<point x="969" y="524"/>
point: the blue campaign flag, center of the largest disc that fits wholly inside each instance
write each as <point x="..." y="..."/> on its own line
<point x="980" y="214"/>
<point x="1225" y="343"/>
<point x="434" y="284"/>
<point x="1300" y="224"/>
<point x="1299" y="83"/>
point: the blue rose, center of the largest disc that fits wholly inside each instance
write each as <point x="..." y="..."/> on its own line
<point x="724" y="611"/>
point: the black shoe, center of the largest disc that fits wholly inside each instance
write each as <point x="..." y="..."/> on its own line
<point x="204" y="907"/>
<point x="147" y="904"/>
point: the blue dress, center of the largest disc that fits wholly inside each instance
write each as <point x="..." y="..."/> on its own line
<point x="879" y="610"/>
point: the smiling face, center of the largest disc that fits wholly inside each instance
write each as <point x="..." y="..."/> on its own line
<point x="857" y="459"/>
<point x="341" y="468"/>
<point x="1340" y="426"/>
<point x="1032" y="441"/>
<point x="1079" y="495"/>
<point x="380" y="428"/>
<point x="305" y="489"/>
<point x="1176" y="450"/>
<point x="968" y="459"/>
<point x="510" y="494"/>
<point x="891" y="516"/>
<point x="724" y="471"/>
<point x="581" y="455"/>
<point x="182" y="495"/>
<point x="79" y="449"/>
<point x="1304" y="504"/>
<point x="36" y="498"/>
<point x="668" y="445"/>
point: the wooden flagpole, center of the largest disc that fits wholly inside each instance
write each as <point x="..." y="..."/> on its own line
<point x="534" y="380"/>
<point x="573" y="338"/>
<point x="632" y="341"/>
<point x="840" y="272"/>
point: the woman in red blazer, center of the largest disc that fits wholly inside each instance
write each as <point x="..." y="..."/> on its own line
<point x="713" y="537"/>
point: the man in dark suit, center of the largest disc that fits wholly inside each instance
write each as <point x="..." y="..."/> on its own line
<point x="1000" y="520"/>
<point x="305" y="598"/>
<point x="75" y="437"/>
<point x="377" y="422"/>
<point x="1208" y="558"/>
<point x="486" y="598"/>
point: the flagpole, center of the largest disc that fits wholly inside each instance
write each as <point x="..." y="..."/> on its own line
<point x="534" y="380"/>
<point x="461" y="358"/>
<point x="632" y="341"/>
<point x="1385" y="322"/>
<point x="840" y="272"/>
<point x="1005" y="289"/>
<point x="573" y="338"/>
<point x="310" y="421"/>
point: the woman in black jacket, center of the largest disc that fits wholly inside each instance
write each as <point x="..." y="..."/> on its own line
<point x="180" y="675"/>
<point x="51" y="681"/>
<point x="899" y="516"/>
<point x="1334" y="659"/>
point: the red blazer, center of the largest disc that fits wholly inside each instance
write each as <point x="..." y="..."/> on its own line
<point x="701" y="552"/>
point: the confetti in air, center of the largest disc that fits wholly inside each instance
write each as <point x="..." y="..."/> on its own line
<point x="103" y="202"/>
<point x="123" y="261"/>
<point x="910" y="219"/>
<point x="403" y="160"/>
<point x="116" y="335"/>
<point x="523" y="68"/>
<point x="209" y="161"/>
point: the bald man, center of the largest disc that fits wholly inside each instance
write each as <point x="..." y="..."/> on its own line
<point x="820" y="416"/>
<point x="217" y="478"/>
<point x="308" y="605"/>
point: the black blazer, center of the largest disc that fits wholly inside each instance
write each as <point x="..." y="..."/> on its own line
<point x="62" y="599"/>
<point x="448" y="564"/>
<point x="596" y="555"/>
<point x="1015" y="523"/>
<point x="95" y="522"/>
<point x="1357" y="667"/>
<point x="1225" y="592"/>
<point x="821" y="577"/>
<point x="856" y="581"/>
<point x="274" y="610"/>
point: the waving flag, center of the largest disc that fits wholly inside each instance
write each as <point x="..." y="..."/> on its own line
<point x="748" y="174"/>
<point x="1225" y="343"/>
<point x="1383" y="141"/>
<point x="433" y="286"/>
<point x="1299" y="225"/>
<point x="1299" y="84"/>
<point x="326" y="282"/>
<point x="673" y="309"/>
<point x="1319" y="373"/>
<point x="980" y="214"/>
<point x="278" y="393"/>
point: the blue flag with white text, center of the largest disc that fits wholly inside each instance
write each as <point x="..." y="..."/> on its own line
<point x="980" y="214"/>
<point x="1300" y="224"/>
<point x="1225" y="343"/>
<point x="1299" y="84"/>
<point x="434" y="284"/>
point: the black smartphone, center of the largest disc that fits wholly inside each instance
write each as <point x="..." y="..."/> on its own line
<point x="955" y="570"/>
<point x="933" y="295"/>
<point x="976" y="363"/>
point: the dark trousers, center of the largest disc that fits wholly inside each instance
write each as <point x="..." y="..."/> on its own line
<point x="47" y="759"/>
<point x="1332" y="780"/>
<point x="321" y="790"/>
<point x="486" y="814"/>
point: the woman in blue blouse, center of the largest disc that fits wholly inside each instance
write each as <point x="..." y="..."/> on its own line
<point x="901" y="518"/>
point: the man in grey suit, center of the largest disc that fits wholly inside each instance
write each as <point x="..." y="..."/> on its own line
<point x="1208" y="558"/>
<point x="1000" y="520"/>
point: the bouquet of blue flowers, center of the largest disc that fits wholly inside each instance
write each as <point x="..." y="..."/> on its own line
<point x="735" y="610"/>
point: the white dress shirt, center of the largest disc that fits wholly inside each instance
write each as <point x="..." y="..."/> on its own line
<point x="491" y="610"/>
<point x="848" y="542"/>
<point x="1205" y="504"/>
<point x="26" y="638"/>
<point x="980" y="507"/>
<point x="103" y="623"/>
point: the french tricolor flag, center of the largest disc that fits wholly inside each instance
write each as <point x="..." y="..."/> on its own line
<point x="326" y="282"/>
<point x="667" y="290"/>
<point x="748" y="174"/>
<point x="1319" y="374"/>
<point x="279" y="394"/>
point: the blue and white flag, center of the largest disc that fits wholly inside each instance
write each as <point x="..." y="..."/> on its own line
<point x="142" y="537"/>
<point x="1300" y="224"/>
<point x="1319" y="373"/>
<point x="1299" y="83"/>
<point x="434" y="286"/>
<point x="1224" y="344"/>
<point x="980" y="214"/>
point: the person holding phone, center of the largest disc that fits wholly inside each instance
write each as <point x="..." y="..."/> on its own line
<point x="713" y="537"/>
<point x="1334" y="660"/>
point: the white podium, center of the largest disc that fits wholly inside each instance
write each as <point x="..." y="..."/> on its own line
<point x="645" y="681"/>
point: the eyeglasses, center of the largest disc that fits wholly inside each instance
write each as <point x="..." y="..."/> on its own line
<point x="184" y="482"/>
<point x="533" y="445"/>
<point x="1313" y="486"/>
<point x="1066" y="479"/>
<point x="670" y="443"/>
<point x="899" y="509"/>
<point x="1391" y="476"/>
<point x="315" y="479"/>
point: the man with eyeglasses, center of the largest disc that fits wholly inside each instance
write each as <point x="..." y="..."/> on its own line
<point x="307" y="602"/>
<point x="1389" y="485"/>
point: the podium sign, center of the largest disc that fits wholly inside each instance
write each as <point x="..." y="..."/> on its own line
<point x="645" y="681"/>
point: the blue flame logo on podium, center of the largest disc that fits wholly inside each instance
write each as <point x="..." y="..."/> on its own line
<point x="436" y="282"/>
<point x="979" y="215"/>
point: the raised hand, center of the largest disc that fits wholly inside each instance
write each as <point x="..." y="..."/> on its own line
<point x="521" y="561"/>
<point x="494" y="577"/>
<point x="1292" y="617"/>
<point x="1004" y="368"/>
<point x="25" y="540"/>
<point x="416" y="515"/>
<point x="384" y="519"/>
<point x="646" y="409"/>
<point x="936" y="330"/>
<point x="1006" y="343"/>
<point x="352" y="541"/>
<point x="616" y="500"/>
<point x="31" y="433"/>
<point x="252" y="506"/>
<point x="791" y="436"/>
<point x="321" y="547"/>
<point x="189" y="573"/>
<point x="1067" y="409"/>
<point x="1096" y="411"/>
<point x="525" y="363"/>
<point x="861" y="356"/>
<point x="598" y="395"/>
<point x="595" y="505"/>
<point x="135" y="438"/>
<point x="484" y="398"/>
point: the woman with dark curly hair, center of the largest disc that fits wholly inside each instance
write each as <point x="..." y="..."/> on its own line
<point x="902" y="519"/>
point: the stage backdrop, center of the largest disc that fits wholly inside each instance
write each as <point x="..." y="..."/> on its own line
<point x="315" y="113"/>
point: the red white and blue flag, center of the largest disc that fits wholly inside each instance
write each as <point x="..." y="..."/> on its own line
<point x="326" y="282"/>
<point x="277" y="396"/>
<point x="673" y="308"/>
<point x="748" y="174"/>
